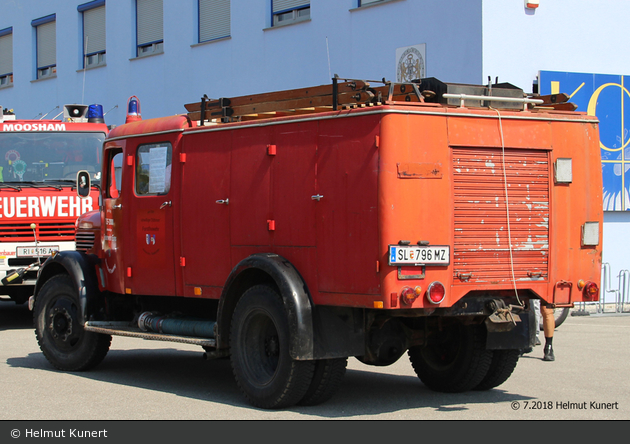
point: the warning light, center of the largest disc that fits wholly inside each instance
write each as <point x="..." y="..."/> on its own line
<point x="95" y="114"/>
<point x="133" y="110"/>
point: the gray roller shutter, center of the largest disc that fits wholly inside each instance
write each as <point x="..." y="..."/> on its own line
<point x="94" y="30"/>
<point x="47" y="44"/>
<point x="6" y="54"/>
<point x="150" y="16"/>
<point x="214" y="19"/>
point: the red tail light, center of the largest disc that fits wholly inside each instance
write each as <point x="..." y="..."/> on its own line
<point x="591" y="291"/>
<point x="408" y="295"/>
<point x="436" y="292"/>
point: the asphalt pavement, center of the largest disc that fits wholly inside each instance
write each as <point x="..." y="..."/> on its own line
<point x="160" y="381"/>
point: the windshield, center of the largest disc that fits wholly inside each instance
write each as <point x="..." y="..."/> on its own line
<point x="44" y="157"/>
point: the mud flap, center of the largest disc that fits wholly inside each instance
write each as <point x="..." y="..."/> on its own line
<point x="508" y="331"/>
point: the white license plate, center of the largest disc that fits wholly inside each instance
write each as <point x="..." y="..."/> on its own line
<point x="34" y="251"/>
<point x="419" y="255"/>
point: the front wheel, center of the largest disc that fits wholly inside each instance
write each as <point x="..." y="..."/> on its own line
<point x="59" y="331"/>
<point x="454" y="360"/>
<point x="259" y="341"/>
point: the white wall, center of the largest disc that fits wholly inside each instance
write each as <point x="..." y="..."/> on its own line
<point x="560" y="35"/>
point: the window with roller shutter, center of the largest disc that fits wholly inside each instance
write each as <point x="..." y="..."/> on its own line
<point x="149" y="27"/>
<point x="93" y="43"/>
<point x="214" y="20"/>
<point x="46" y="40"/>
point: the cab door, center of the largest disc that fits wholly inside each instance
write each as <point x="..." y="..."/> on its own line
<point x="112" y="219"/>
<point x="149" y="219"/>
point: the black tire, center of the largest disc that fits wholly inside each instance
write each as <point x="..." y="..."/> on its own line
<point x="60" y="334"/>
<point x="560" y="315"/>
<point x="326" y="381"/>
<point x="502" y="365"/>
<point x="259" y="342"/>
<point x="454" y="360"/>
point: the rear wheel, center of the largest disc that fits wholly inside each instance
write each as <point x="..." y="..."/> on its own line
<point x="326" y="381"/>
<point x="60" y="334"/>
<point x="503" y="364"/>
<point x="264" y="370"/>
<point x="454" y="360"/>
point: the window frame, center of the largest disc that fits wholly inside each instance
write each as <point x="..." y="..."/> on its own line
<point x="100" y="54"/>
<point x="276" y="21"/>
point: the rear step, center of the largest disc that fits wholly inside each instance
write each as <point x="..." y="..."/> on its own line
<point x="123" y="329"/>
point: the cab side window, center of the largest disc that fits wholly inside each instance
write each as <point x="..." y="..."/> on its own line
<point x="153" y="169"/>
<point x="114" y="180"/>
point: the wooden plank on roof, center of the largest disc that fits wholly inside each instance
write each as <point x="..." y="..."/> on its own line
<point x="277" y="96"/>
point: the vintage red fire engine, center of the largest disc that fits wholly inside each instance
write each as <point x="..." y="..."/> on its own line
<point x="292" y="230"/>
<point x="39" y="161"/>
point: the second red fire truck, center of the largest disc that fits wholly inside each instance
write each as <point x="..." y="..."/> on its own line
<point x="39" y="161"/>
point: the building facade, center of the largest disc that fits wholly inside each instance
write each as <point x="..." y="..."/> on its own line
<point x="172" y="52"/>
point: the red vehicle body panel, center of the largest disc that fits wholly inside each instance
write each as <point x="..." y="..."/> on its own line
<point x="331" y="192"/>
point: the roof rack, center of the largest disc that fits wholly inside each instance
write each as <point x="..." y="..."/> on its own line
<point x="354" y="93"/>
<point x="341" y="94"/>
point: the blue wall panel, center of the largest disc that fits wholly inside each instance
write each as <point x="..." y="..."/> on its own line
<point x="607" y="97"/>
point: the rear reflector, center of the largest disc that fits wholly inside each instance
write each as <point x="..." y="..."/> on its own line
<point x="436" y="292"/>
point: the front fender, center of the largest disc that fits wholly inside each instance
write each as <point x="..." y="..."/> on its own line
<point x="81" y="268"/>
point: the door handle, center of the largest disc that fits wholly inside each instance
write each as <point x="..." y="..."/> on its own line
<point x="115" y="207"/>
<point x="223" y="201"/>
<point x="166" y="204"/>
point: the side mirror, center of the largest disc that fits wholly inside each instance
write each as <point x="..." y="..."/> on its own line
<point x="83" y="184"/>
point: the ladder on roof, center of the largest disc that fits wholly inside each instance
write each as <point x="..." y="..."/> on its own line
<point x="342" y="94"/>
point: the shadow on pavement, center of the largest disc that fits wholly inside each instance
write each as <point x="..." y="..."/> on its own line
<point x="185" y="373"/>
<point x="15" y="317"/>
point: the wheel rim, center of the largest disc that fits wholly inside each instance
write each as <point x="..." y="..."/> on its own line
<point x="62" y="324"/>
<point x="261" y="348"/>
<point x="441" y="353"/>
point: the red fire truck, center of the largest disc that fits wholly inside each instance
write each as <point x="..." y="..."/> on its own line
<point x="39" y="161"/>
<point x="292" y="230"/>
